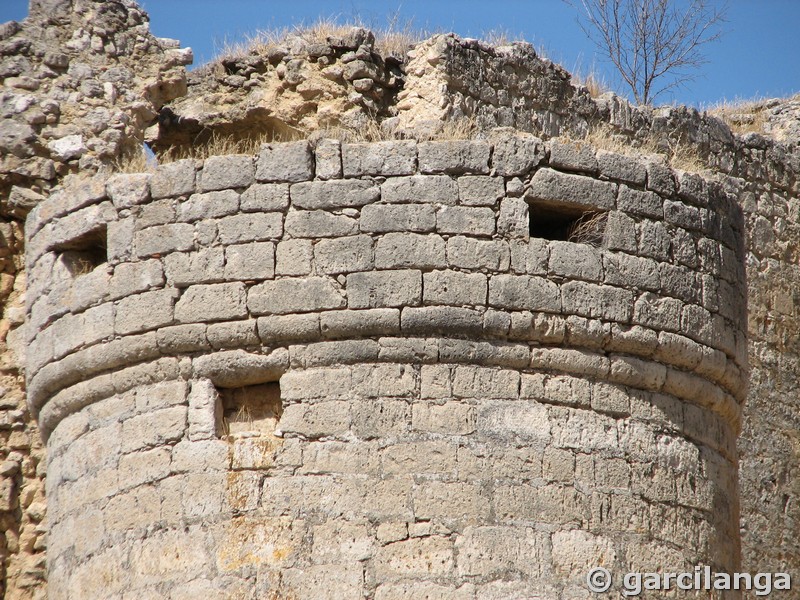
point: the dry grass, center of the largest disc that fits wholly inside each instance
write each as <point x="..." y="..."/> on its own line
<point x="592" y="81"/>
<point x="678" y="153"/>
<point x="742" y="116"/>
<point x="373" y="131"/>
<point x="588" y="229"/>
<point x="393" y="39"/>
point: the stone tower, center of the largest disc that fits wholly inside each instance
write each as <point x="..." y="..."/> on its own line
<point x="454" y="369"/>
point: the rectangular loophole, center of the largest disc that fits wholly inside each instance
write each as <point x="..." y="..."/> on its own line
<point x="252" y="410"/>
<point x="567" y="224"/>
<point x="84" y="254"/>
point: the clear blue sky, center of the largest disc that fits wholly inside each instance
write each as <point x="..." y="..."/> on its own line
<point x="758" y="55"/>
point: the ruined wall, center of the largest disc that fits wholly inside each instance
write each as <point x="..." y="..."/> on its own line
<point x="352" y="370"/>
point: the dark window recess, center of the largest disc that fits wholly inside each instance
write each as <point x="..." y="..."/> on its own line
<point x="84" y="254"/>
<point x="567" y="224"/>
<point x="251" y="410"/>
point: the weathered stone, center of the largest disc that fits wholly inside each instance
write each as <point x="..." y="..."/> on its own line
<point x="288" y="161"/>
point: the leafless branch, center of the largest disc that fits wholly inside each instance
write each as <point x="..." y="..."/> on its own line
<point x="654" y="44"/>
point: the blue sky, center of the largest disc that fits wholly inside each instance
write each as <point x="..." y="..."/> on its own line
<point x="758" y="55"/>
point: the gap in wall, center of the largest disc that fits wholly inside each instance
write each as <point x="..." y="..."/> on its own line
<point x="251" y="410"/>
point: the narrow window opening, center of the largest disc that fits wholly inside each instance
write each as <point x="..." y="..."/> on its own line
<point x="252" y="410"/>
<point x="568" y="224"/>
<point x="84" y="254"/>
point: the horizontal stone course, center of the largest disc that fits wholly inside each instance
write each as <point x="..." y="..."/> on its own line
<point x="438" y="367"/>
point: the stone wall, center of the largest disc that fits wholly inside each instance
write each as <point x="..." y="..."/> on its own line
<point x="350" y="369"/>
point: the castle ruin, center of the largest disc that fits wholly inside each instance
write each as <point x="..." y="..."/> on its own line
<point x="413" y="368"/>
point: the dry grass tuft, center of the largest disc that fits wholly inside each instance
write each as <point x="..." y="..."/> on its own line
<point x="678" y="153"/>
<point x="593" y="82"/>
<point x="588" y="229"/>
<point x="742" y="116"/>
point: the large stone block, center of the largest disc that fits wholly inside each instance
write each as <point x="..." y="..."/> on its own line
<point x="344" y="255"/>
<point x="328" y="195"/>
<point x="437" y="189"/>
<point x="454" y="157"/>
<point x="522" y="292"/>
<point x="404" y="250"/>
<point x="288" y="161"/>
<point x="214" y="302"/>
<point x="295" y="295"/>
<point x="382" y="218"/>
<point x="551" y="186"/>
<point x="382" y="158"/>
<point x="384" y="289"/>
<point x="226" y="172"/>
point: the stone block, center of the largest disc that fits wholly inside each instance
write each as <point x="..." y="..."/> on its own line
<point x="226" y="172"/>
<point x="153" y="428"/>
<point x="132" y="278"/>
<point x="265" y="197"/>
<point x="454" y="157"/>
<point x="573" y="156"/>
<point x="173" y="179"/>
<point x="654" y="240"/>
<point x="288" y="328"/>
<point x="660" y="178"/>
<point x="624" y="270"/>
<point x="477" y="221"/>
<point x="522" y="292"/>
<point x="463" y="503"/>
<point x="204" y="415"/>
<point x="287" y="161"/>
<point x="620" y="233"/>
<point x="621" y="167"/>
<point x="162" y="239"/>
<point x="147" y="466"/>
<point x="485" y="382"/>
<point x="188" y="268"/>
<point x="128" y="189"/>
<point x="683" y="215"/>
<point x="384" y="289"/>
<point x="658" y="312"/>
<point x="468" y="253"/>
<point x="635" y="202"/>
<point x="446" y="320"/>
<point x="436" y="189"/>
<point x="574" y="190"/>
<point x="599" y="301"/>
<point x="514" y="218"/>
<point x="361" y="323"/>
<point x="386" y="159"/>
<point x="295" y="295"/>
<point x="250" y="261"/>
<point x="319" y="223"/>
<point x="450" y="418"/>
<point x="517" y="155"/>
<point x="410" y="250"/>
<point x="234" y="334"/>
<point x="237" y="368"/>
<point x="144" y="311"/>
<point x="182" y="338"/>
<point x="293" y="257"/>
<point x="344" y="255"/>
<point x="382" y="218"/>
<point x="575" y="261"/>
<point x="208" y="206"/>
<point x="321" y="419"/>
<point x="454" y="288"/>
<point x="480" y="190"/>
<point x="328" y="159"/>
<point x="157" y="212"/>
<point x="214" y="302"/>
<point x="329" y="195"/>
<point x="250" y="227"/>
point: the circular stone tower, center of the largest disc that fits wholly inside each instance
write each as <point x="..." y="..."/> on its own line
<point x="397" y="370"/>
